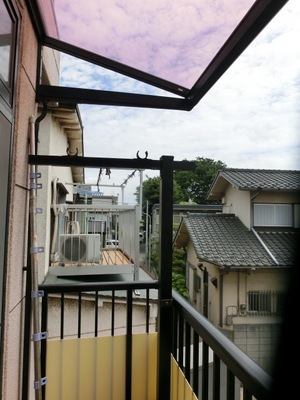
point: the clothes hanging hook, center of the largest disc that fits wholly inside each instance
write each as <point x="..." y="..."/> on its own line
<point x="138" y="156"/>
<point x="68" y="151"/>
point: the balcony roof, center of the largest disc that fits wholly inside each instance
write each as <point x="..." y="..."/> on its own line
<point x="180" y="47"/>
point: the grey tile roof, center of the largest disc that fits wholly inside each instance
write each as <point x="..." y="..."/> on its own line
<point x="224" y="240"/>
<point x="247" y="179"/>
<point x="283" y="245"/>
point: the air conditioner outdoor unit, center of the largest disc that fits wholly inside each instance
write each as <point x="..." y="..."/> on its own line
<point x="79" y="249"/>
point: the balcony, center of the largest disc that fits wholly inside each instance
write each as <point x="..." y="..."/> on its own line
<point x="97" y="239"/>
<point x="106" y="335"/>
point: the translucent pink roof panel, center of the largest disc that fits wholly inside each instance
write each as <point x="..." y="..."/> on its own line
<point x="172" y="40"/>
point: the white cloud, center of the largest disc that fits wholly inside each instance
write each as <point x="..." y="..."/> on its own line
<point x="249" y="119"/>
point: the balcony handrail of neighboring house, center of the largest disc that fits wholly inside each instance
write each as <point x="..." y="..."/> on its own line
<point x="253" y="380"/>
<point x="98" y="286"/>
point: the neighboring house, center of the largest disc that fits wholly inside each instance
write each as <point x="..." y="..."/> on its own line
<point x="238" y="261"/>
<point x="86" y="195"/>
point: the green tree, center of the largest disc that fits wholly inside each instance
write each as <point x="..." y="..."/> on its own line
<point x="151" y="192"/>
<point x="195" y="184"/>
<point x="178" y="269"/>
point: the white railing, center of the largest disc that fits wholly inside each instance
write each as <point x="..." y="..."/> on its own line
<point x="88" y="234"/>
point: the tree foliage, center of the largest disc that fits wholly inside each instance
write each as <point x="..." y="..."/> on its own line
<point x="189" y="186"/>
<point x="195" y="184"/>
<point x="151" y="192"/>
<point x="178" y="269"/>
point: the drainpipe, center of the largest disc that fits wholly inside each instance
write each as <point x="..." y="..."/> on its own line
<point x="221" y="293"/>
<point x="254" y="231"/>
<point x="205" y="294"/>
<point x="54" y="208"/>
<point x="252" y="206"/>
<point x="37" y="126"/>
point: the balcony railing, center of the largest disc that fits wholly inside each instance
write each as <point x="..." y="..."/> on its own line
<point x="130" y="340"/>
<point x="102" y="343"/>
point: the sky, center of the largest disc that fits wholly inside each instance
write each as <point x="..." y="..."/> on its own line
<point x="249" y="119"/>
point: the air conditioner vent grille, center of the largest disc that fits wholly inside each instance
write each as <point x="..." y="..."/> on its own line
<point x="79" y="249"/>
<point x="73" y="248"/>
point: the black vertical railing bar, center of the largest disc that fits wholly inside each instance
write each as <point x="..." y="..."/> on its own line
<point x="79" y="314"/>
<point x="175" y="333"/>
<point x="27" y="327"/>
<point x="246" y="394"/>
<point x="205" y="368"/>
<point x="113" y="313"/>
<point x="230" y="385"/>
<point x="96" y="312"/>
<point x="62" y="315"/>
<point x="44" y="328"/>
<point x="216" y="377"/>
<point x="147" y="310"/>
<point x="165" y="279"/>
<point x="128" y="369"/>
<point x="187" y="361"/>
<point x="180" y="341"/>
<point x="195" y="384"/>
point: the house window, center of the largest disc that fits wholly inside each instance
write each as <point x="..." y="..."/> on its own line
<point x="7" y="51"/>
<point x="273" y="215"/>
<point x="266" y="302"/>
<point x="8" y="29"/>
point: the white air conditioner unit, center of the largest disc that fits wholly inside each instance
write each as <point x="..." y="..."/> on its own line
<point x="78" y="249"/>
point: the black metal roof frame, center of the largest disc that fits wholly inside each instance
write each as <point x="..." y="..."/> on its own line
<point x="251" y="25"/>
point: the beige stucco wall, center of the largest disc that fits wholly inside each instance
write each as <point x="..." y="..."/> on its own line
<point x="104" y="317"/>
<point x="277" y="197"/>
<point x="238" y="203"/>
<point x="235" y="288"/>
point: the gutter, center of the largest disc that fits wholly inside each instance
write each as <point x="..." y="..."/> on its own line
<point x="264" y="246"/>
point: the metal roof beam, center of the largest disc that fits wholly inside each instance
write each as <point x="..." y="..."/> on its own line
<point x="47" y="93"/>
<point x="96" y="162"/>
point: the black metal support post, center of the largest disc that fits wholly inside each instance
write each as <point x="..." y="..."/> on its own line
<point x="27" y="328"/>
<point x="165" y="279"/>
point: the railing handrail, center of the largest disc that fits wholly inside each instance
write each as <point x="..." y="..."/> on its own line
<point x="96" y="207"/>
<point x="250" y="374"/>
<point x="92" y="287"/>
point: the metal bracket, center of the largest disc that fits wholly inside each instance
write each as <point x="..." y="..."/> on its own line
<point x="37" y="293"/>
<point x="40" y="383"/>
<point x="36" y="210"/>
<point x="34" y="250"/>
<point x="34" y="175"/>
<point x="34" y="185"/>
<point x="40" y="336"/>
<point x="166" y="303"/>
